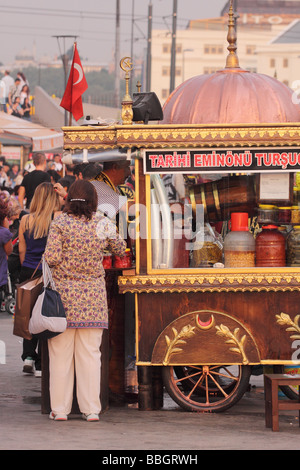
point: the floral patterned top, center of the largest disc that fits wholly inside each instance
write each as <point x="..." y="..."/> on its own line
<point x="74" y="251"/>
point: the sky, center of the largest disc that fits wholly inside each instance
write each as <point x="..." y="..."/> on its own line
<point x="24" y="24"/>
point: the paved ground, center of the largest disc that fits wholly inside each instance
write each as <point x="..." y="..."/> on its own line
<point x="22" y="426"/>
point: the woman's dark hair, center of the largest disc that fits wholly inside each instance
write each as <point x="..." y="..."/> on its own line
<point x="54" y="175"/>
<point x="82" y="199"/>
<point x="3" y="210"/>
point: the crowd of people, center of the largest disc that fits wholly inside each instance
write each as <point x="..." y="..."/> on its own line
<point x="15" y="95"/>
<point x="11" y="176"/>
<point x="59" y="219"/>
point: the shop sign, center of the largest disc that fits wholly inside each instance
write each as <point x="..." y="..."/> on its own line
<point x="11" y="153"/>
<point x="253" y="160"/>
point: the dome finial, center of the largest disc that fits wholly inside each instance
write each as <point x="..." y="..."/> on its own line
<point x="232" y="60"/>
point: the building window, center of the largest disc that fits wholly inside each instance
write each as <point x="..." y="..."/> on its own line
<point x="208" y="70"/>
<point x="213" y="49"/>
<point x="272" y="63"/>
<point x="164" y="93"/>
<point x="166" y="71"/>
<point x="166" y="48"/>
<point x="285" y="63"/>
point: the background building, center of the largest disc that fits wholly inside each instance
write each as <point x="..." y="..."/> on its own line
<point x="268" y="42"/>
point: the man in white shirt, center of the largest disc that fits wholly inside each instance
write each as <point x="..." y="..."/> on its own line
<point x="6" y="83"/>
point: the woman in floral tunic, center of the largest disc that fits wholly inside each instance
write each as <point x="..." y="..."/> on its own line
<point x="74" y="251"/>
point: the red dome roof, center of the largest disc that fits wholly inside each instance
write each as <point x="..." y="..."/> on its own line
<point x="231" y="95"/>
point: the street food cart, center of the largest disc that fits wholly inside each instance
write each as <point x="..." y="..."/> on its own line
<point x="216" y="276"/>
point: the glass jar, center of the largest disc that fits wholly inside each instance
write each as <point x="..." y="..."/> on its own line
<point x="207" y="250"/>
<point x="267" y="214"/>
<point x="293" y="247"/>
<point x="239" y="243"/>
<point x="284" y="215"/>
<point x="296" y="196"/>
<point x="270" y="247"/>
<point x="295" y="215"/>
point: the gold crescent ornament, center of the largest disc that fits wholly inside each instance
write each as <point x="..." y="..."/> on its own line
<point x="126" y="64"/>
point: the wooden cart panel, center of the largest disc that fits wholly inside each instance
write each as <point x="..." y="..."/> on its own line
<point x="217" y="327"/>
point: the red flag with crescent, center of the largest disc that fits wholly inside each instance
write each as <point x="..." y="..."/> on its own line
<point x="76" y="86"/>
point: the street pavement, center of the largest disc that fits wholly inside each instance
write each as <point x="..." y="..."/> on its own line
<point x="125" y="427"/>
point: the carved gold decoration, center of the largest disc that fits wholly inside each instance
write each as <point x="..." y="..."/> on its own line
<point x="195" y="350"/>
<point x="285" y="320"/>
<point x="127" y="112"/>
<point x="205" y="325"/>
<point x="126" y="64"/>
<point x="232" y="60"/>
<point x="232" y="338"/>
<point x="216" y="281"/>
<point x="179" y="338"/>
<point x="181" y="136"/>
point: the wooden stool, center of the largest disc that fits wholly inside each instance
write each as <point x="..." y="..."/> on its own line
<point x="272" y="404"/>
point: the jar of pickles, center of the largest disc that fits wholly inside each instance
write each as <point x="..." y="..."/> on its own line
<point x="270" y="247"/>
<point x="284" y="214"/>
<point x="208" y="250"/>
<point x="295" y="215"/>
<point x="239" y="244"/>
<point x="293" y="247"/>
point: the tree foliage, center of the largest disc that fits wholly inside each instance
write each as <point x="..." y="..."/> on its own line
<point x="101" y="84"/>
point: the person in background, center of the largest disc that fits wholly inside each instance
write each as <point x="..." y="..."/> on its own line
<point x="23" y="80"/>
<point x="14" y="92"/>
<point x="16" y="109"/>
<point x="33" y="232"/>
<point x="26" y="108"/>
<point x="15" y="214"/>
<point x="3" y="178"/>
<point x="78" y="170"/>
<point x="8" y="82"/>
<point x="13" y="173"/>
<point x="24" y="93"/>
<point x="33" y="179"/>
<point x="74" y="251"/>
<point x="65" y="182"/>
<point x="91" y="171"/>
<point x="69" y="173"/>
<point x="5" y="242"/>
<point x="54" y="176"/>
<point x="58" y="164"/>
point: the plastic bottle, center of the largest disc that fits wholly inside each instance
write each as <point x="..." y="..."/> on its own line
<point x="239" y="243"/>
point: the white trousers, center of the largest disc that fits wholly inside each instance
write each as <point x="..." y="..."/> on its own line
<point x="75" y="351"/>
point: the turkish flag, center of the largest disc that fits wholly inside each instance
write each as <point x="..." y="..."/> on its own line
<point x="76" y="86"/>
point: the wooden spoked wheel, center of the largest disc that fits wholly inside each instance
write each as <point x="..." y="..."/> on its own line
<point x="209" y="388"/>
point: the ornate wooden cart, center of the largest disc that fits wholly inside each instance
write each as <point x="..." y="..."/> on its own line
<point x="203" y="328"/>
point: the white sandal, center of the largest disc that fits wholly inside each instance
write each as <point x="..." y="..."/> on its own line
<point x="58" y="417"/>
<point x="91" y="417"/>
